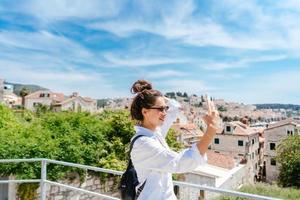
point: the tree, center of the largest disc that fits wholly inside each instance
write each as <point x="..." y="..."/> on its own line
<point x="179" y="94"/>
<point x="288" y="157"/>
<point x="24" y="92"/>
<point x="171" y="95"/>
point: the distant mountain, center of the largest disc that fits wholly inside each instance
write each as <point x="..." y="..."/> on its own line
<point x="32" y="88"/>
<point x="278" y="106"/>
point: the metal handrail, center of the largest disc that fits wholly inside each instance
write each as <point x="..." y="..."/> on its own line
<point x="43" y="181"/>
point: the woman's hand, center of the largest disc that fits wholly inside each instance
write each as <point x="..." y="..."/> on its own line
<point x="212" y="119"/>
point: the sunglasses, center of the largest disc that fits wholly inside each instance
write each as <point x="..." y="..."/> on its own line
<point x="161" y="109"/>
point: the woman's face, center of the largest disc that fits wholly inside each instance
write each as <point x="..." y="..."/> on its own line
<point x="155" y="115"/>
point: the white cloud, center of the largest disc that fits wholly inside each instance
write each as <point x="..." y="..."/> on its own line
<point x="265" y="29"/>
<point x="50" y="10"/>
<point x="226" y="76"/>
<point x="241" y="62"/>
<point x="191" y="86"/>
<point x="87" y="83"/>
<point x="279" y="87"/>
<point x="138" y="61"/>
<point x="165" y="74"/>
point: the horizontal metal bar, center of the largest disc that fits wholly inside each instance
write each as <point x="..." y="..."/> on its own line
<point x="21" y="160"/>
<point x="81" y="190"/>
<point x="224" y="191"/>
<point x="21" y="181"/>
<point x="185" y="184"/>
<point x="98" y="169"/>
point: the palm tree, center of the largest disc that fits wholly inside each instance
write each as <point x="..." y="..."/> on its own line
<point x="24" y="92"/>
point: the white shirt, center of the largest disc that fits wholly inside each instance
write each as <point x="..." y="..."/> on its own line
<point x="155" y="162"/>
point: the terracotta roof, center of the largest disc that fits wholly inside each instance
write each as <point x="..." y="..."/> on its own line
<point x="240" y="129"/>
<point x="220" y="160"/>
<point x="283" y="123"/>
<point x="187" y="129"/>
<point x="54" y="96"/>
<point x="73" y="98"/>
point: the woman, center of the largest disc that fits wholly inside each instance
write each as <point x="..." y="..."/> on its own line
<point x="153" y="160"/>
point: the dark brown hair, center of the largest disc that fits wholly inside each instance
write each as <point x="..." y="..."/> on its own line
<point x="145" y="98"/>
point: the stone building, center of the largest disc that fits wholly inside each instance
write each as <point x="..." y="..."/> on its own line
<point x="273" y="135"/>
<point x="240" y="141"/>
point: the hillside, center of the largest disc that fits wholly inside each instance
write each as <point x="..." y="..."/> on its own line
<point x="278" y="106"/>
<point x="32" y="88"/>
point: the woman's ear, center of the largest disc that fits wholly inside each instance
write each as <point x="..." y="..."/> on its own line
<point x="144" y="111"/>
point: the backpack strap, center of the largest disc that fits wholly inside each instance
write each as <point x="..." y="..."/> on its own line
<point x="133" y="140"/>
<point x="139" y="190"/>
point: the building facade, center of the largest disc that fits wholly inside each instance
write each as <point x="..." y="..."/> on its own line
<point x="42" y="97"/>
<point x="273" y="135"/>
<point x="242" y="142"/>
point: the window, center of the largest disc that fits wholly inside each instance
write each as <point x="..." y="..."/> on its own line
<point x="252" y="141"/>
<point x="240" y="143"/>
<point x="289" y="132"/>
<point x="36" y="104"/>
<point x="252" y="155"/>
<point x="42" y="95"/>
<point x="228" y="128"/>
<point x="272" y="146"/>
<point x="273" y="162"/>
<point x="217" y="152"/>
<point x="217" y="141"/>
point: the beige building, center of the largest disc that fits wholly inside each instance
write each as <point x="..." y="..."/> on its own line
<point x="42" y="97"/>
<point x="76" y="103"/>
<point x="9" y="97"/>
<point x="58" y="101"/>
<point x="242" y="142"/>
<point x="273" y="135"/>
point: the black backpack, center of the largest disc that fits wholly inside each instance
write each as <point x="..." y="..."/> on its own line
<point x="129" y="179"/>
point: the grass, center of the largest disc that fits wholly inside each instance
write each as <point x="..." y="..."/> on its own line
<point x="266" y="190"/>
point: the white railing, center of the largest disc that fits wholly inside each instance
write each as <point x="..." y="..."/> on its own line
<point x="43" y="181"/>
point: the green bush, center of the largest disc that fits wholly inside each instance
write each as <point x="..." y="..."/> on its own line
<point x="97" y="140"/>
<point x="288" y="157"/>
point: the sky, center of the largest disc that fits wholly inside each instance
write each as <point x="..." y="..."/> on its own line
<point x="242" y="51"/>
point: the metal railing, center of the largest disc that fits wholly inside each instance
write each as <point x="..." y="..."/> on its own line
<point x="43" y="181"/>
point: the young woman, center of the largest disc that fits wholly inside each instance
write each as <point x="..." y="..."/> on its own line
<point x="151" y="156"/>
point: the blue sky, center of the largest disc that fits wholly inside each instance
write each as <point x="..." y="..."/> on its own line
<point x="244" y="51"/>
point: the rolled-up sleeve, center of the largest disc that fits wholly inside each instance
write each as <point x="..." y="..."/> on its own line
<point x="174" y="110"/>
<point x="147" y="153"/>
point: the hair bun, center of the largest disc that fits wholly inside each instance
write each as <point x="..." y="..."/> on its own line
<point x="140" y="86"/>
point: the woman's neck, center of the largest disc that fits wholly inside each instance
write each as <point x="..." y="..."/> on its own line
<point x="148" y="125"/>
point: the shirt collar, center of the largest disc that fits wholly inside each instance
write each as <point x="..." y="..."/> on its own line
<point x="145" y="131"/>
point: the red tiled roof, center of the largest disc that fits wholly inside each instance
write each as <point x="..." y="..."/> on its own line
<point x="187" y="129"/>
<point x="220" y="160"/>
<point x="58" y="97"/>
<point x="240" y="129"/>
<point x="283" y="123"/>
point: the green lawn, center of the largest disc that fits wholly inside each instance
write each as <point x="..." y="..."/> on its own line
<point x="266" y="190"/>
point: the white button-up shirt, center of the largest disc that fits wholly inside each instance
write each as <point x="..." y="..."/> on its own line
<point x="155" y="162"/>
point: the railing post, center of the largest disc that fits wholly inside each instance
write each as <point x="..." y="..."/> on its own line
<point x="43" y="179"/>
